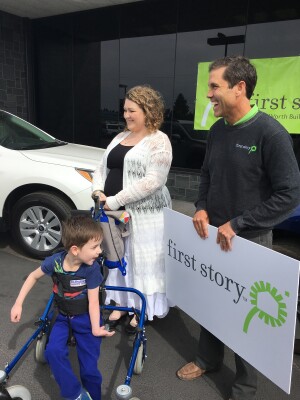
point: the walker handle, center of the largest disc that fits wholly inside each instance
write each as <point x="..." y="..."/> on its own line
<point x="98" y="204"/>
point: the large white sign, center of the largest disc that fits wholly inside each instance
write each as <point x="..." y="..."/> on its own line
<point x="246" y="297"/>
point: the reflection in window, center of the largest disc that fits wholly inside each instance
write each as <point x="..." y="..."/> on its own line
<point x="109" y="91"/>
<point x="155" y="42"/>
<point x="149" y="60"/>
<point x="273" y="39"/>
<point x="192" y="48"/>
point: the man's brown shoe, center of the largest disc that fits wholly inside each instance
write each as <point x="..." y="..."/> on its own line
<point x="190" y="372"/>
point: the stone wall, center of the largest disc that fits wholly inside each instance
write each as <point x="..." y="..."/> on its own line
<point x="183" y="185"/>
<point x="13" y="70"/>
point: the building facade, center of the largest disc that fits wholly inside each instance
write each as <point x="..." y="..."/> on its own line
<point x="71" y="72"/>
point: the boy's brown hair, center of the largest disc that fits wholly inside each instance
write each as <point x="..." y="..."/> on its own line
<point x="78" y="230"/>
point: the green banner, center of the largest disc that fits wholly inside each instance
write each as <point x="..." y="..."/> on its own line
<point x="277" y="92"/>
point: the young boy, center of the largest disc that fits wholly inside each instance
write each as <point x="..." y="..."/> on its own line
<point x="76" y="276"/>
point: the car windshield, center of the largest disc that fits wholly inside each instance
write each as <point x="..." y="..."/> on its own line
<point x="17" y="134"/>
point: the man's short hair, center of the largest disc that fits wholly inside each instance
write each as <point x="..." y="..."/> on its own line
<point x="238" y="68"/>
<point x="78" y="230"/>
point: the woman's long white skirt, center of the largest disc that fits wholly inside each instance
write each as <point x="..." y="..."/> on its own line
<point x="157" y="303"/>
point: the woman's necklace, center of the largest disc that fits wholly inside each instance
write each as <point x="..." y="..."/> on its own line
<point x="127" y="140"/>
<point x="132" y="140"/>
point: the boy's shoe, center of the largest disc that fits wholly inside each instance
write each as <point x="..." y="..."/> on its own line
<point x="84" y="395"/>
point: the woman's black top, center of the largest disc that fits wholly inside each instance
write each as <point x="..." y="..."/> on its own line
<point x="115" y="163"/>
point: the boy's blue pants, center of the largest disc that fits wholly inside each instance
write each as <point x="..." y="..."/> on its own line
<point x="88" y="353"/>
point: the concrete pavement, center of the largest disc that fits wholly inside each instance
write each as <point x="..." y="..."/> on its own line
<point x="171" y="342"/>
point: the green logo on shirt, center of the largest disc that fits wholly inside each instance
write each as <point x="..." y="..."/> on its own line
<point x="252" y="149"/>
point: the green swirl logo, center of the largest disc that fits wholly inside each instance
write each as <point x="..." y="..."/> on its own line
<point x="265" y="287"/>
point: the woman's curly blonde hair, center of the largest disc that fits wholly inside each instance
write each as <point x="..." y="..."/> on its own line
<point x="151" y="102"/>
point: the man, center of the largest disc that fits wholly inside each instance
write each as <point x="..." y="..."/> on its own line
<point x="249" y="182"/>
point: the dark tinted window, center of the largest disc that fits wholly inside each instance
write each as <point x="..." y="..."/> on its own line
<point x="86" y="62"/>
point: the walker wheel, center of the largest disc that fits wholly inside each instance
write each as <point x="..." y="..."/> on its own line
<point x="124" y="392"/>
<point x="3" y="376"/>
<point x="40" y="349"/>
<point x="139" y="362"/>
<point x="19" y="392"/>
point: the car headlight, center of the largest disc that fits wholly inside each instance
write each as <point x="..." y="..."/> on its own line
<point x="85" y="173"/>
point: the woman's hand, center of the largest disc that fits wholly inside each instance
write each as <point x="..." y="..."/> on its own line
<point x="106" y="207"/>
<point x="100" y="195"/>
<point x="96" y="193"/>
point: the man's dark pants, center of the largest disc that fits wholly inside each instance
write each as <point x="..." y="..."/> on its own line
<point x="210" y="351"/>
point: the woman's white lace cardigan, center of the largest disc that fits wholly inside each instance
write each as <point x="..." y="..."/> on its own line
<point x="144" y="194"/>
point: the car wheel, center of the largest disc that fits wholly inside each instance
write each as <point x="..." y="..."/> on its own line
<point x="36" y="223"/>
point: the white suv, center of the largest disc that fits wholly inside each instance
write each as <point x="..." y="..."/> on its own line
<point x="42" y="180"/>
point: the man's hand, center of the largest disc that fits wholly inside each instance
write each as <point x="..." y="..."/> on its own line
<point x="224" y="236"/>
<point x="200" y="222"/>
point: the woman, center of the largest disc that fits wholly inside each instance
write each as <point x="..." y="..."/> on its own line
<point x="132" y="175"/>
